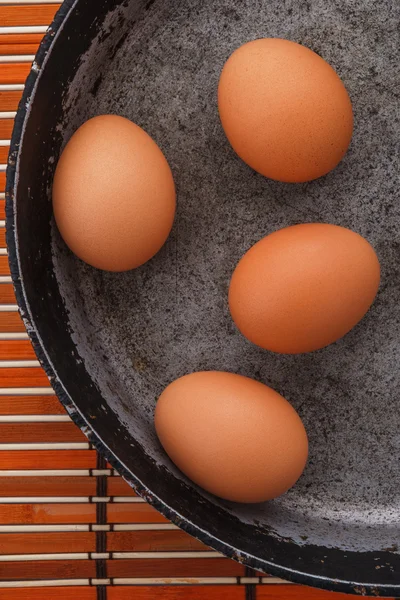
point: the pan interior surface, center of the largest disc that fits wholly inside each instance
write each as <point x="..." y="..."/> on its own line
<point x="134" y="332"/>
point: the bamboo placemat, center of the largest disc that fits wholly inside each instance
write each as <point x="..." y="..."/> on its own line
<point x="70" y="527"/>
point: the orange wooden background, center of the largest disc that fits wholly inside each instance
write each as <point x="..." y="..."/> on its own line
<point x="52" y="482"/>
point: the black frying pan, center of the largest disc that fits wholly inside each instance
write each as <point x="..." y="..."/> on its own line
<point x="110" y="342"/>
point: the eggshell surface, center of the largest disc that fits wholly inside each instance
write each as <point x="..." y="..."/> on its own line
<point x="303" y="287"/>
<point x="284" y="110"/>
<point x="113" y="194"/>
<point x="233" y="436"/>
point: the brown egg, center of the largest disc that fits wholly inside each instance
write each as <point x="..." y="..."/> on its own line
<point x="113" y="194"/>
<point x="303" y="287"/>
<point x="284" y="110"/>
<point x="233" y="436"/>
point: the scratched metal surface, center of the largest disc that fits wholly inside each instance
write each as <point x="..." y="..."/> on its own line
<point x="170" y="317"/>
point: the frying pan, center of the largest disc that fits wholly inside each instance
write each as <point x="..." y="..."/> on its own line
<point x="110" y="342"/>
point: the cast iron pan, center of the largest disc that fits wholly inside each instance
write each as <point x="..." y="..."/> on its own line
<point x="110" y="342"/>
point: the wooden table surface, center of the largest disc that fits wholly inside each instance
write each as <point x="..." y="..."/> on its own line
<point x="70" y="527"/>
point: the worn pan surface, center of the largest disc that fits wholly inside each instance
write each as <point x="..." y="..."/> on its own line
<point x="110" y="342"/>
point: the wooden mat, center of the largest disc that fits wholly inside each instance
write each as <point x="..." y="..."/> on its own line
<point x="70" y="527"/>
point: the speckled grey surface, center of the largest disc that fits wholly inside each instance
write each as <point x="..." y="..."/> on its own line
<point x="171" y="316"/>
